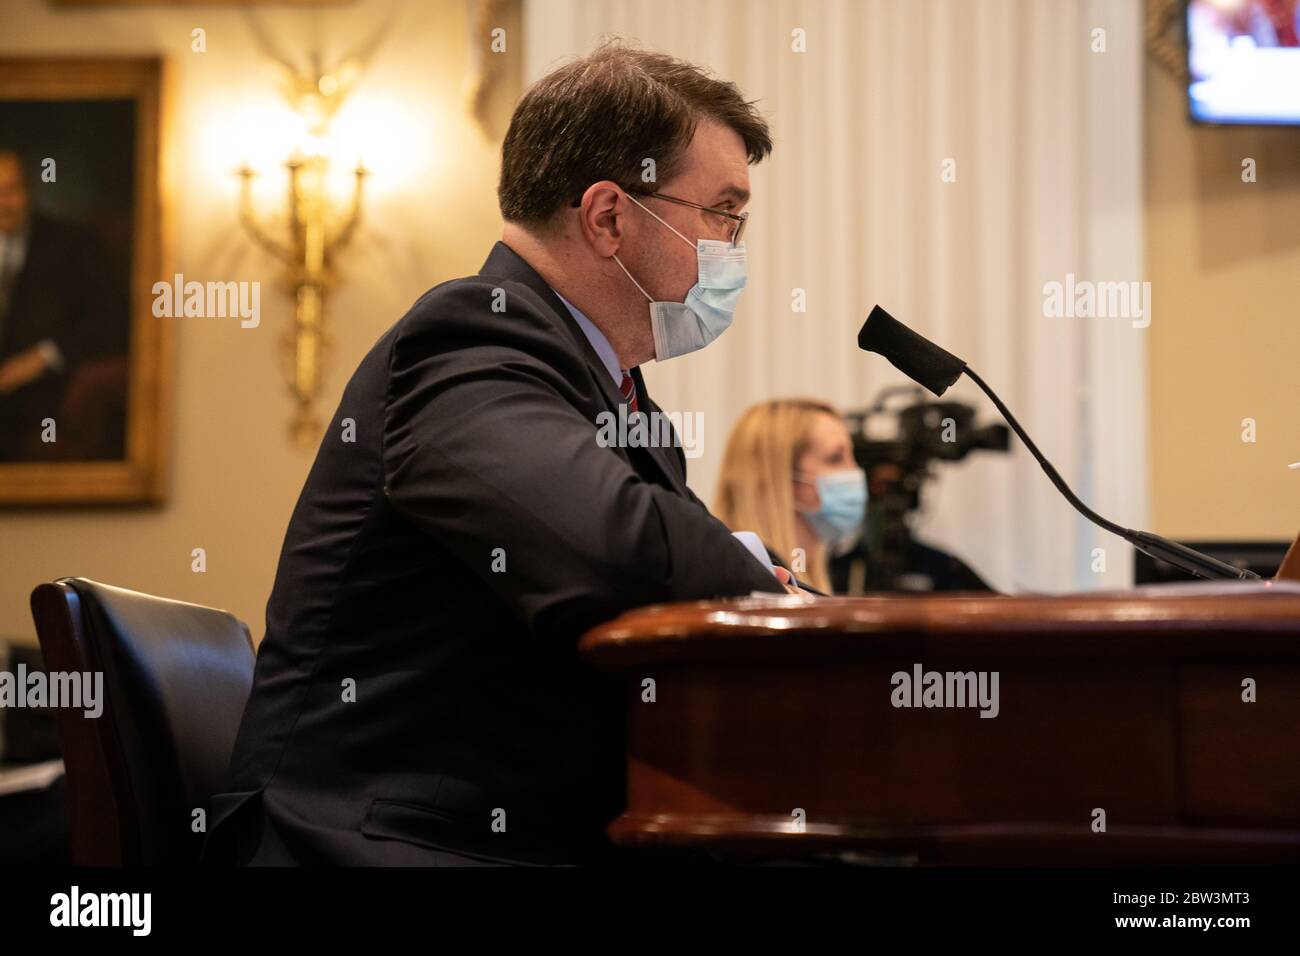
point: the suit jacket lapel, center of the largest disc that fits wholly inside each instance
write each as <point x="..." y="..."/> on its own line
<point x="504" y="261"/>
<point x="666" y="456"/>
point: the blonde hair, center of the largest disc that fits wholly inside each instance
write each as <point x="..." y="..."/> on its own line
<point x="754" y="489"/>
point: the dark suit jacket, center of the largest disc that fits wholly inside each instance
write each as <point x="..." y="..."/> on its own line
<point x="444" y="565"/>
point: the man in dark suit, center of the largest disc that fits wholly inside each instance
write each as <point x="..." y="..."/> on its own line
<point x="59" y="308"/>
<point x="418" y="695"/>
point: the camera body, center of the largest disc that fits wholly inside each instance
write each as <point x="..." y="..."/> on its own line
<point x="896" y="445"/>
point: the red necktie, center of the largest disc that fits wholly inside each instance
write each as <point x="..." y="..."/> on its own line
<point x="628" y="388"/>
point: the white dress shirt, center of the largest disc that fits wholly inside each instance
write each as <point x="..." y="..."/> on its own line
<point x="597" y="340"/>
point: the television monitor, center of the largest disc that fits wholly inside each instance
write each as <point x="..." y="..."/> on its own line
<point x="1243" y="58"/>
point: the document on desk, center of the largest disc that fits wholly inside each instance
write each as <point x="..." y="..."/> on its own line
<point x="34" y="776"/>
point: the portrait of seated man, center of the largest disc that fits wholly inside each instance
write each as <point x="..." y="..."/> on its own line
<point x="64" y="320"/>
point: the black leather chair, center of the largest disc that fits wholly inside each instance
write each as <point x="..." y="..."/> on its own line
<point x="176" y="678"/>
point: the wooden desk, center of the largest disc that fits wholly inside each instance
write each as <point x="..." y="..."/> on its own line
<point x="1128" y="702"/>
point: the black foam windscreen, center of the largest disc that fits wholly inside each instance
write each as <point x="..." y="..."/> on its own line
<point x="915" y="356"/>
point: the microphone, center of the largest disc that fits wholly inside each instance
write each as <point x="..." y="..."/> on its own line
<point x="935" y="368"/>
<point x="915" y="356"/>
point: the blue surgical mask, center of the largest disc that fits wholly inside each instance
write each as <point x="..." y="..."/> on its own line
<point x="843" y="497"/>
<point x="683" y="327"/>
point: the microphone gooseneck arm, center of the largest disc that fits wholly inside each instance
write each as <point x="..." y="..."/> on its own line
<point x="1180" y="556"/>
<point x="935" y="368"/>
<point x="1052" y="473"/>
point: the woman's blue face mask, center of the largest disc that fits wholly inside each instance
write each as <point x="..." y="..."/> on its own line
<point x="843" y="505"/>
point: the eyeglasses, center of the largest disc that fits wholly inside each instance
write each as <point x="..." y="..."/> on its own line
<point x="740" y="219"/>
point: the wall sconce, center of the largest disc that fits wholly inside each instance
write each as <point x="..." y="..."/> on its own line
<point x="317" y="230"/>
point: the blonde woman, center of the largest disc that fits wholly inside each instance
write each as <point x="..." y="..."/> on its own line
<point x="788" y="475"/>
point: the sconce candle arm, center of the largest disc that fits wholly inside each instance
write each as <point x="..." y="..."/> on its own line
<point x="248" y="220"/>
<point x="349" y="225"/>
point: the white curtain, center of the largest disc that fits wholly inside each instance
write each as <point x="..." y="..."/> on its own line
<point x="852" y="207"/>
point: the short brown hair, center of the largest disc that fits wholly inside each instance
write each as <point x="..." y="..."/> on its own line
<point x="600" y="116"/>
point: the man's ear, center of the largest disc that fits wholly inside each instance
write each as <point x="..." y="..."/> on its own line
<point x="601" y="217"/>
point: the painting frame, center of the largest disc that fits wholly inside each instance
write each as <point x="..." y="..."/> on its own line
<point x="140" y="476"/>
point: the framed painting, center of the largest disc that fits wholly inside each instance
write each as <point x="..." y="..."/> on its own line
<point x="84" y="364"/>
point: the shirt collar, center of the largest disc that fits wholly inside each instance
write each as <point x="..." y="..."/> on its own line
<point x="598" y="342"/>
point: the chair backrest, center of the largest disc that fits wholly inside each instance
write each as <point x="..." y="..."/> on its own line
<point x="175" y="678"/>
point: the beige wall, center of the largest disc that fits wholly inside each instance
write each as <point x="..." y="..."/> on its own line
<point x="1224" y="262"/>
<point x="431" y="216"/>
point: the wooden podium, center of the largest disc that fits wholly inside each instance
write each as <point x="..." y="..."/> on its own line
<point x="770" y="726"/>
